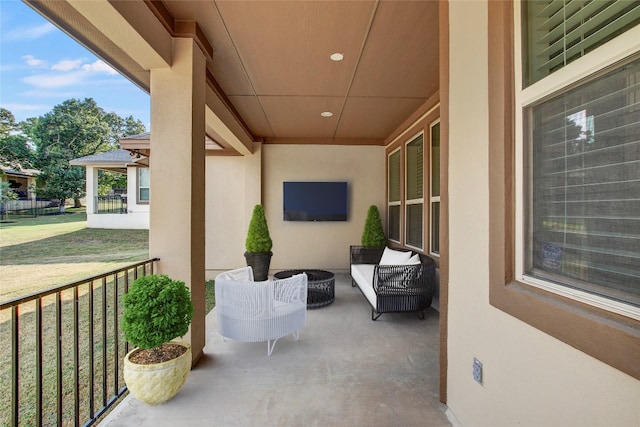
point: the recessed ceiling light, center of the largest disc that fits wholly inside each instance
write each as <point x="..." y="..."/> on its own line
<point x="337" y="57"/>
<point x="326" y="114"/>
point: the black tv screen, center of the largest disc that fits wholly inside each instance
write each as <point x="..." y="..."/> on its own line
<point x="315" y="201"/>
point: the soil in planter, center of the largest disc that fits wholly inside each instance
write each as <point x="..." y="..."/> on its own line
<point x="164" y="353"/>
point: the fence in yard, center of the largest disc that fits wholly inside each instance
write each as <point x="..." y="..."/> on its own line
<point x="24" y="208"/>
<point x="61" y="362"/>
<point x="114" y="204"/>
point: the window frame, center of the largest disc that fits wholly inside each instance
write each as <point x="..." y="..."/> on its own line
<point x="575" y="74"/>
<point x="609" y="337"/>
<point x="395" y="202"/>
<point x="417" y="201"/>
<point x="139" y="199"/>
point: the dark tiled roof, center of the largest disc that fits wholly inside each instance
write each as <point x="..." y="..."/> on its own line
<point x="121" y="157"/>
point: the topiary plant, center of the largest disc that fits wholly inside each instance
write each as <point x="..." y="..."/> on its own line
<point x="258" y="239"/>
<point x="373" y="234"/>
<point x="157" y="309"/>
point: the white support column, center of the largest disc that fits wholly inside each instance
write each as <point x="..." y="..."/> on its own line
<point x="92" y="189"/>
<point x="177" y="170"/>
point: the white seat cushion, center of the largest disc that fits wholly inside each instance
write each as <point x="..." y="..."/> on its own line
<point x="363" y="275"/>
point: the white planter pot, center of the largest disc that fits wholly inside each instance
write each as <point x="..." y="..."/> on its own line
<point x="156" y="383"/>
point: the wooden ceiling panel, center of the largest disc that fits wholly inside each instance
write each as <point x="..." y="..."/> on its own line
<point x="401" y="55"/>
<point x="285" y="46"/>
<point x="299" y="116"/>
<point x="249" y="108"/>
<point x="227" y="67"/>
<point x="374" y="117"/>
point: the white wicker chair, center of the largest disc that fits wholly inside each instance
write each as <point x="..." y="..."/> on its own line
<point x="249" y="311"/>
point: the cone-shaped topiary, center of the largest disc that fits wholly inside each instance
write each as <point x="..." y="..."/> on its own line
<point x="373" y="234"/>
<point x="258" y="239"/>
<point x="157" y="309"/>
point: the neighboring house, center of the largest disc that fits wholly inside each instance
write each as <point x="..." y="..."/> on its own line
<point x="128" y="210"/>
<point x="21" y="180"/>
<point x="531" y="209"/>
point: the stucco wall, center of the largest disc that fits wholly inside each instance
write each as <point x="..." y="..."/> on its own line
<point x="320" y="244"/>
<point x="530" y="378"/>
<point x="232" y="189"/>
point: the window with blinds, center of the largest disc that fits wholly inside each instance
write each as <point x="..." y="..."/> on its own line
<point x="414" y="192"/>
<point x="435" y="188"/>
<point x="556" y="33"/>
<point x="393" y="196"/>
<point x="583" y="202"/>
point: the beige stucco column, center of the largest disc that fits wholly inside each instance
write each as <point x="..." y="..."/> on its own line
<point x="177" y="169"/>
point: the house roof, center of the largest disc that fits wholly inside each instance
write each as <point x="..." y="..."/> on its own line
<point x="118" y="157"/>
<point x="269" y="73"/>
<point x="19" y="172"/>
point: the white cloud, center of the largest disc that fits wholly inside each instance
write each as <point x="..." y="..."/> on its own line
<point x="23" y="111"/>
<point x="51" y="93"/>
<point x="30" y="33"/>
<point x="32" y="61"/>
<point x="67" y="65"/>
<point x="100" y="67"/>
<point x="48" y="81"/>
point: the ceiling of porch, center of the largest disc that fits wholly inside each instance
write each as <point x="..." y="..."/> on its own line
<point x="269" y="65"/>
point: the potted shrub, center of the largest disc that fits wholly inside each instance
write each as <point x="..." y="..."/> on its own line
<point x="157" y="310"/>
<point x="373" y="233"/>
<point x="258" y="244"/>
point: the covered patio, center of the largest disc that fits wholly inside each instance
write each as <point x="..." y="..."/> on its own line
<point x="345" y="370"/>
<point x="420" y="107"/>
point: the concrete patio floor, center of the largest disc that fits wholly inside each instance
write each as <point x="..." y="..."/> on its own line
<point x="345" y="370"/>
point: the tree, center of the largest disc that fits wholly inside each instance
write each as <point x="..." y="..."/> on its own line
<point x="14" y="147"/>
<point x="73" y="129"/>
<point x="6" y="195"/>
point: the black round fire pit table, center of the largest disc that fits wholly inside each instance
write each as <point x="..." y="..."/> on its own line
<point x="320" y="285"/>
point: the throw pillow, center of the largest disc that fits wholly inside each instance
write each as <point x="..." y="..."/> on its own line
<point x="392" y="257"/>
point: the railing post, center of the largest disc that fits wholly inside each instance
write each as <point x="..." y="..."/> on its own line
<point x="15" y="366"/>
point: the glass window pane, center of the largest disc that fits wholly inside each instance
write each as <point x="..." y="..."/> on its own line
<point x="143" y="177"/>
<point x="415" y="168"/>
<point x="435" y="227"/>
<point x="394" y="223"/>
<point x="414" y="225"/>
<point x="394" y="177"/>
<point x="584" y="201"/>
<point x="435" y="160"/>
<point x="144" y="194"/>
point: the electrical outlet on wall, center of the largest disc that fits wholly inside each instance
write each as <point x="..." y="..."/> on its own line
<point x="477" y="370"/>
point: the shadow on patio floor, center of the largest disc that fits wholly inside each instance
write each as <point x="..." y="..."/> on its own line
<point x="345" y="370"/>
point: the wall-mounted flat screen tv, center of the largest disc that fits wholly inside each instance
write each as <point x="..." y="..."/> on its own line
<point x="315" y="201"/>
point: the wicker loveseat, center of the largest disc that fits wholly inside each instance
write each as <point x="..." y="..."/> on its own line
<point x="393" y="281"/>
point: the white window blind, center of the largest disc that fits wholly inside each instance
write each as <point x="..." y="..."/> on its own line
<point x="558" y="32"/>
<point x="584" y="199"/>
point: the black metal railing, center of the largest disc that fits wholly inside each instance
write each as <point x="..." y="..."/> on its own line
<point x="60" y="362"/>
<point x="28" y="208"/>
<point x="115" y="204"/>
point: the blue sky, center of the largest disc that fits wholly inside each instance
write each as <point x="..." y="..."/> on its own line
<point x="40" y="67"/>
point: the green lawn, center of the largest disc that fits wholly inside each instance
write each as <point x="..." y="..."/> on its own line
<point x="38" y="253"/>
